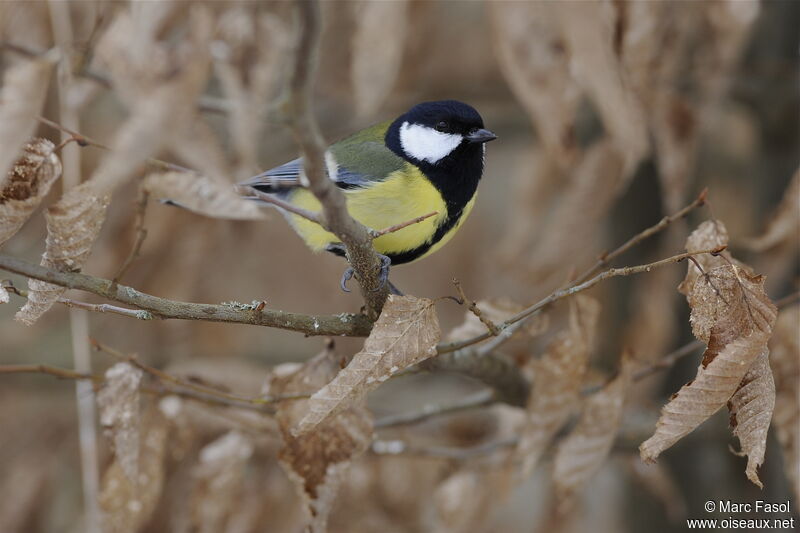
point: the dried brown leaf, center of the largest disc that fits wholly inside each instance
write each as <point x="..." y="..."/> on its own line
<point x="585" y="449"/>
<point x="129" y="503"/>
<point x="751" y="409"/>
<point x="202" y="195"/>
<point x="785" y="361"/>
<point x="589" y="31"/>
<point x="118" y="401"/>
<point x="557" y="380"/>
<point x="248" y="53"/>
<point x="732" y="314"/>
<point x="317" y="462"/>
<point x="709" y="235"/>
<point x="405" y="334"/>
<point x="377" y="51"/>
<point x="785" y="222"/>
<point x="219" y="481"/>
<point x="160" y="85"/>
<point x="27" y="183"/>
<point x="462" y="501"/>
<point x="532" y="57"/>
<point x="72" y="227"/>
<point x="21" y="100"/>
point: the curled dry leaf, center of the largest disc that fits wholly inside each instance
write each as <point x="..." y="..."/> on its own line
<point x="128" y="503"/>
<point x="785" y="360"/>
<point x="558" y="376"/>
<point x="202" y="195"/>
<point x="118" y="401"/>
<point x="534" y="61"/>
<point x="72" y="227"/>
<point x="317" y="461"/>
<point x="785" y="221"/>
<point x="219" y="480"/>
<point x="732" y="314"/>
<point x="589" y="31"/>
<point x="582" y="453"/>
<point x="21" y="100"/>
<point x="405" y="334"/>
<point x="248" y="54"/>
<point x="377" y="51"/>
<point x="27" y="183"/>
<point x="751" y="408"/>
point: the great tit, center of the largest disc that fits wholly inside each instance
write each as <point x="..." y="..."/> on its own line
<point x="428" y="159"/>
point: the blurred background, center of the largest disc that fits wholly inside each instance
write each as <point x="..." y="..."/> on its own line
<point x="609" y="115"/>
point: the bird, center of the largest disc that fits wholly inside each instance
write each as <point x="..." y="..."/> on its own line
<point x="429" y="159"/>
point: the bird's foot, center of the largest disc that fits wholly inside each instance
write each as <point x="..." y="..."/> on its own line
<point x="347" y="276"/>
<point x="383" y="276"/>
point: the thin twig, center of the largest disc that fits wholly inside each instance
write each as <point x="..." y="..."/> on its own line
<point x="473" y="308"/>
<point x="479" y="399"/>
<point x="152" y="307"/>
<point x="62" y="373"/>
<point x="286" y="206"/>
<point x="159" y="389"/>
<point x="83" y="140"/>
<point x="397" y="227"/>
<point x="141" y="233"/>
<point x="513" y="324"/>
<point x="168" y="378"/>
<point x="306" y="131"/>
<point x="699" y="201"/>
<point x="606" y="259"/>
<point x="399" y="447"/>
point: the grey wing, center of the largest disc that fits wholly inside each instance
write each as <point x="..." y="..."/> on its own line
<point x="279" y="179"/>
<point x="282" y="179"/>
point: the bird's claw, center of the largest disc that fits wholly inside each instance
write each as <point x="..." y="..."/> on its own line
<point x="383" y="276"/>
<point x="347" y="276"/>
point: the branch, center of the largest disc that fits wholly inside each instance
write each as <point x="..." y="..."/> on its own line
<point x="274" y="200"/>
<point x="209" y="396"/>
<point x="152" y="307"/>
<point x="141" y="233"/>
<point x="305" y="129"/>
<point x="479" y="399"/>
<point x="61" y="373"/>
<point x="636" y="239"/>
<point x="513" y="324"/>
<point x="83" y="140"/>
<point x="164" y="377"/>
<point x="397" y="227"/>
<point x="399" y="447"/>
<point x="606" y="259"/>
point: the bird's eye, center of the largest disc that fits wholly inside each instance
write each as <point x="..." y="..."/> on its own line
<point x="442" y="126"/>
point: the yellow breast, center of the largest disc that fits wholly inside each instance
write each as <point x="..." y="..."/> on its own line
<point x="404" y="195"/>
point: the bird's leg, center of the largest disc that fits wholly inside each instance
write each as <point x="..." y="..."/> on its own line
<point x="383" y="277"/>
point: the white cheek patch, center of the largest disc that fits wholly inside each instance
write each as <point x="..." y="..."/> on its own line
<point x="427" y="144"/>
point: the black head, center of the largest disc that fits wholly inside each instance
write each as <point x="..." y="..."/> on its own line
<point x="438" y="133"/>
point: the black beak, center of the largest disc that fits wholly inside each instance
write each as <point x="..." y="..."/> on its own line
<point x="481" y="136"/>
